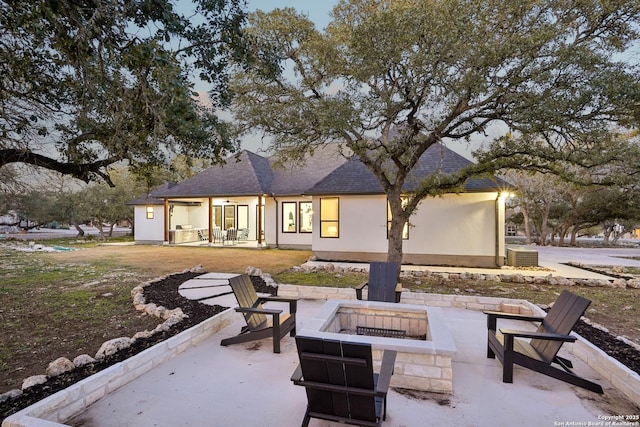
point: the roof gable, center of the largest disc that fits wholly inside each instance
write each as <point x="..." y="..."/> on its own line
<point x="297" y="179"/>
<point x="245" y="173"/>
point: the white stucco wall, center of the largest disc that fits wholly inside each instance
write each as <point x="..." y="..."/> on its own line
<point x="362" y="227"/>
<point x="273" y="224"/>
<point x="149" y="230"/>
<point x="463" y="224"/>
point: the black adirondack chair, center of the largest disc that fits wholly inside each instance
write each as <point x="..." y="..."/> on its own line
<point x="541" y="352"/>
<point x="259" y="326"/>
<point x="383" y="283"/>
<point x="340" y="383"/>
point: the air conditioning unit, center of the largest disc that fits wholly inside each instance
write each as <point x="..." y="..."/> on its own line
<point x="522" y="257"/>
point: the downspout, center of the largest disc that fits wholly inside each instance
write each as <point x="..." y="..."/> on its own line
<point x="277" y="231"/>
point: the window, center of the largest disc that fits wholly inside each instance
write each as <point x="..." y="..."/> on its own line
<point x="405" y="229"/>
<point x="305" y="220"/>
<point x="229" y="216"/>
<point x="289" y="217"/>
<point x="149" y="212"/>
<point x="217" y="216"/>
<point x="243" y="216"/>
<point x="329" y="217"/>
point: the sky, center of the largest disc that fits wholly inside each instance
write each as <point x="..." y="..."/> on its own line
<point x="316" y="10"/>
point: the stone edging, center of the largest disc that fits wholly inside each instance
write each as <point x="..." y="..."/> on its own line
<point x="498" y="277"/>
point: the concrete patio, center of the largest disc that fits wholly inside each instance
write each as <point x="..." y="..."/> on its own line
<point x="210" y="385"/>
<point x="191" y="380"/>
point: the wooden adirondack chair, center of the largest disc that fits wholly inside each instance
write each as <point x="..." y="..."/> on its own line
<point x="383" y="283"/>
<point x="539" y="353"/>
<point x="340" y="383"/>
<point x="260" y="326"/>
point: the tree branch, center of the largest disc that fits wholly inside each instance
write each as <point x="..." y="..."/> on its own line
<point x="82" y="171"/>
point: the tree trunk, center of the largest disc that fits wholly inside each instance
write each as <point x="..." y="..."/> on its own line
<point x="607" y="233"/>
<point x="574" y="234"/>
<point x="100" y="228"/>
<point x="78" y="229"/>
<point x="527" y="226"/>
<point x="398" y="219"/>
<point x="544" y="227"/>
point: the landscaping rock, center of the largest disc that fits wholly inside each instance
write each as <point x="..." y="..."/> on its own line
<point x="113" y="346"/>
<point x="33" y="380"/>
<point x="197" y="269"/>
<point x="142" y="334"/>
<point x="619" y="283"/>
<point x="82" y="360"/>
<point x="11" y="394"/>
<point x="59" y="366"/>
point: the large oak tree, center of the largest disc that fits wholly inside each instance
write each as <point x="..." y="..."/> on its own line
<point x="388" y="79"/>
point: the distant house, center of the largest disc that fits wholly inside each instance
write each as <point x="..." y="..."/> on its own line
<point x="330" y="205"/>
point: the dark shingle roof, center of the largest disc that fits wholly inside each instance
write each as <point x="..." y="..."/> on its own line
<point x="297" y="179"/>
<point x="326" y="172"/>
<point x="151" y="199"/>
<point x="244" y="174"/>
<point x="353" y="177"/>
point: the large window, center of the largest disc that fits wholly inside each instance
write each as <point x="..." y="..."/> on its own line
<point x="405" y="229"/>
<point x="305" y="221"/>
<point x="243" y="216"/>
<point x="217" y="216"/>
<point x="229" y="216"/>
<point x="289" y="217"/>
<point x="329" y="217"/>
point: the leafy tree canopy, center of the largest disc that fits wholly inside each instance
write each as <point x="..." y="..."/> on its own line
<point x="88" y="83"/>
<point x="388" y="79"/>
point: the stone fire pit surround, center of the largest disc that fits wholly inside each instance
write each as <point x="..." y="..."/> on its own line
<point x="424" y="365"/>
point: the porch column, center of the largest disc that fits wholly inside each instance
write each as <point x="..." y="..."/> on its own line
<point x="210" y="220"/>
<point x="166" y="221"/>
<point x="260" y="221"/>
<point x="499" y="203"/>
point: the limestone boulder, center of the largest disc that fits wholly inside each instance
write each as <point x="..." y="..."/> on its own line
<point x="34" y="380"/>
<point x="111" y="347"/>
<point x="82" y="360"/>
<point x="59" y="366"/>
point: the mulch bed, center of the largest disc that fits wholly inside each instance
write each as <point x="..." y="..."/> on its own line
<point x="165" y="293"/>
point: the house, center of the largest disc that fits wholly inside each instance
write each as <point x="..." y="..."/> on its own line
<point x="330" y="205"/>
